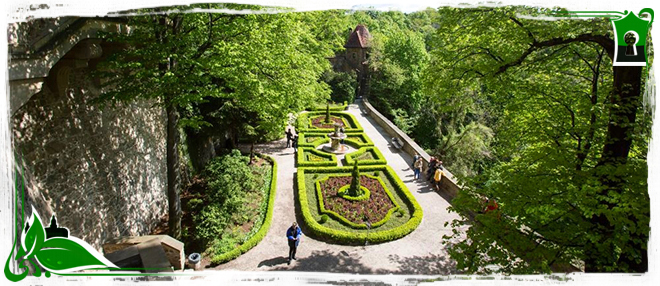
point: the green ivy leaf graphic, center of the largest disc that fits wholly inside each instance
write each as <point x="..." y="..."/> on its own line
<point x="70" y="254"/>
<point x="34" y="236"/>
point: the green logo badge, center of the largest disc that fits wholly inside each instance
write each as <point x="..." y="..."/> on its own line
<point x="50" y="248"/>
<point x="630" y="32"/>
<point x="633" y="51"/>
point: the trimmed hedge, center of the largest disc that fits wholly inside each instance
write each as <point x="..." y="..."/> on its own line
<point x="379" y="160"/>
<point x="349" y="237"/>
<point x="302" y="162"/>
<point x="303" y="122"/>
<point x="347" y="222"/>
<point x="302" y="139"/>
<point x="364" y="142"/>
<point x="333" y="107"/>
<point x="257" y="237"/>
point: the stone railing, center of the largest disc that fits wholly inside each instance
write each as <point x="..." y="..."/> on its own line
<point x="410" y="146"/>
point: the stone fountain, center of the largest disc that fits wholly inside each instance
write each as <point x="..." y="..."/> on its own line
<point x="335" y="141"/>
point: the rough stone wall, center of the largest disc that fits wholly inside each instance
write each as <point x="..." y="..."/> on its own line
<point x="103" y="172"/>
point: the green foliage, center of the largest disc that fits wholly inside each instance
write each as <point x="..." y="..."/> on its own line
<point x="342" y="84"/>
<point x="538" y="107"/>
<point x="324" y="218"/>
<point x="378" y="159"/>
<point x="327" y="113"/>
<point x="303" y="122"/>
<point x="354" y="189"/>
<point x="358" y="140"/>
<point x="303" y="142"/>
<point x="263" y="230"/>
<point x="301" y="159"/>
<point x="231" y="183"/>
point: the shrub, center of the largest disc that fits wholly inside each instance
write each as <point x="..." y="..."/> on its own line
<point x="195" y="203"/>
<point x="303" y="122"/>
<point x="259" y="235"/>
<point x="324" y="218"/>
<point x="330" y="159"/>
<point x="378" y="160"/>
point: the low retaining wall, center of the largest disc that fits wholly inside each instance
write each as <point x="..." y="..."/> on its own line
<point x="410" y="146"/>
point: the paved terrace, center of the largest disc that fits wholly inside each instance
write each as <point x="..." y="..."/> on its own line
<point x="420" y="252"/>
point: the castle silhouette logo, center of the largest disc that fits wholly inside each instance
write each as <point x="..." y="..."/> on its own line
<point x="51" y="249"/>
<point x="630" y="30"/>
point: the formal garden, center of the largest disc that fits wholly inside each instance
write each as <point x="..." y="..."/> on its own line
<point x="361" y="202"/>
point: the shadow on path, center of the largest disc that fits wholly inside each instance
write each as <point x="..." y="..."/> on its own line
<point x="326" y="261"/>
<point x="273" y="261"/>
<point x="428" y="265"/>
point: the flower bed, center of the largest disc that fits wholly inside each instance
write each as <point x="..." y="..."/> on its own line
<point x="366" y="156"/>
<point x="304" y="122"/>
<point x="336" y="230"/>
<point x="313" y="140"/>
<point x="319" y="122"/>
<point x="308" y="157"/>
<point x="375" y="206"/>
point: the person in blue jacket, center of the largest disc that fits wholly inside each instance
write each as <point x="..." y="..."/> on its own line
<point x="293" y="235"/>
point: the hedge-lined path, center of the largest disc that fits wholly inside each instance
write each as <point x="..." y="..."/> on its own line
<point x="420" y="252"/>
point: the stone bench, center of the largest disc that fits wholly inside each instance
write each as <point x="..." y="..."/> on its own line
<point x="397" y="143"/>
<point x="161" y="253"/>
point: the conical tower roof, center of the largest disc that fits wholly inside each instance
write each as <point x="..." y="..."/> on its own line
<point x="360" y="38"/>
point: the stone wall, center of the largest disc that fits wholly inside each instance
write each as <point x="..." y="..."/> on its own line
<point x="449" y="187"/>
<point x="102" y="171"/>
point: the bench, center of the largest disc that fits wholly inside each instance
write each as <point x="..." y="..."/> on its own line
<point x="397" y="143"/>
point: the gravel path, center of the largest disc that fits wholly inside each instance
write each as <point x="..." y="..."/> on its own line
<point x="420" y="252"/>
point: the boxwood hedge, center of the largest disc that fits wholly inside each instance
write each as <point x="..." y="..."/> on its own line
<point x="302" y="139"/>
<point x="302" y="162"/>
<point x="379" y="159"/>
<point x="358" y="140"/>
<point x="350" y="237"/>
<point x="303" y="122"/>
<point x="259" y="235"/>
<point x="333" y="107"/>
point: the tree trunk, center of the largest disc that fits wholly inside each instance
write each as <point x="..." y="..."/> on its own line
<point x="624" y="102"/>
<point x="174" y="223"/>
<point x="200" y="148"/>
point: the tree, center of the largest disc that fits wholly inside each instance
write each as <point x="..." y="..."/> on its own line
<point x="567" y="120"/>
<point x="228" y="74"/>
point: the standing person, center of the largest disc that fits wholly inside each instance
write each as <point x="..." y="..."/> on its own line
<point x="289" y="136"/>
<point x="294" y="144"/>
<point x="418" y="167"/>
<point x="293" y="235"/>
<point x="433" y="163"/>
<point x="415" y="159"/>
<point x="437" y="177"/>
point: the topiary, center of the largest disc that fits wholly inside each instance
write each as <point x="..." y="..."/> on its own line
<point x="327" y="113"/>
<point x="354" y="190"/>
<point x="324" y="218"/>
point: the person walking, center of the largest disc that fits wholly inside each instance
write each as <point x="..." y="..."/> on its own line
<point x="293" y="235"/>
<point x="417" y="166"/>
<point x="289" y="136"/>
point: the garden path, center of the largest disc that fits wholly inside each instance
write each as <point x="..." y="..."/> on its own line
<point x="420" y="252"/>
